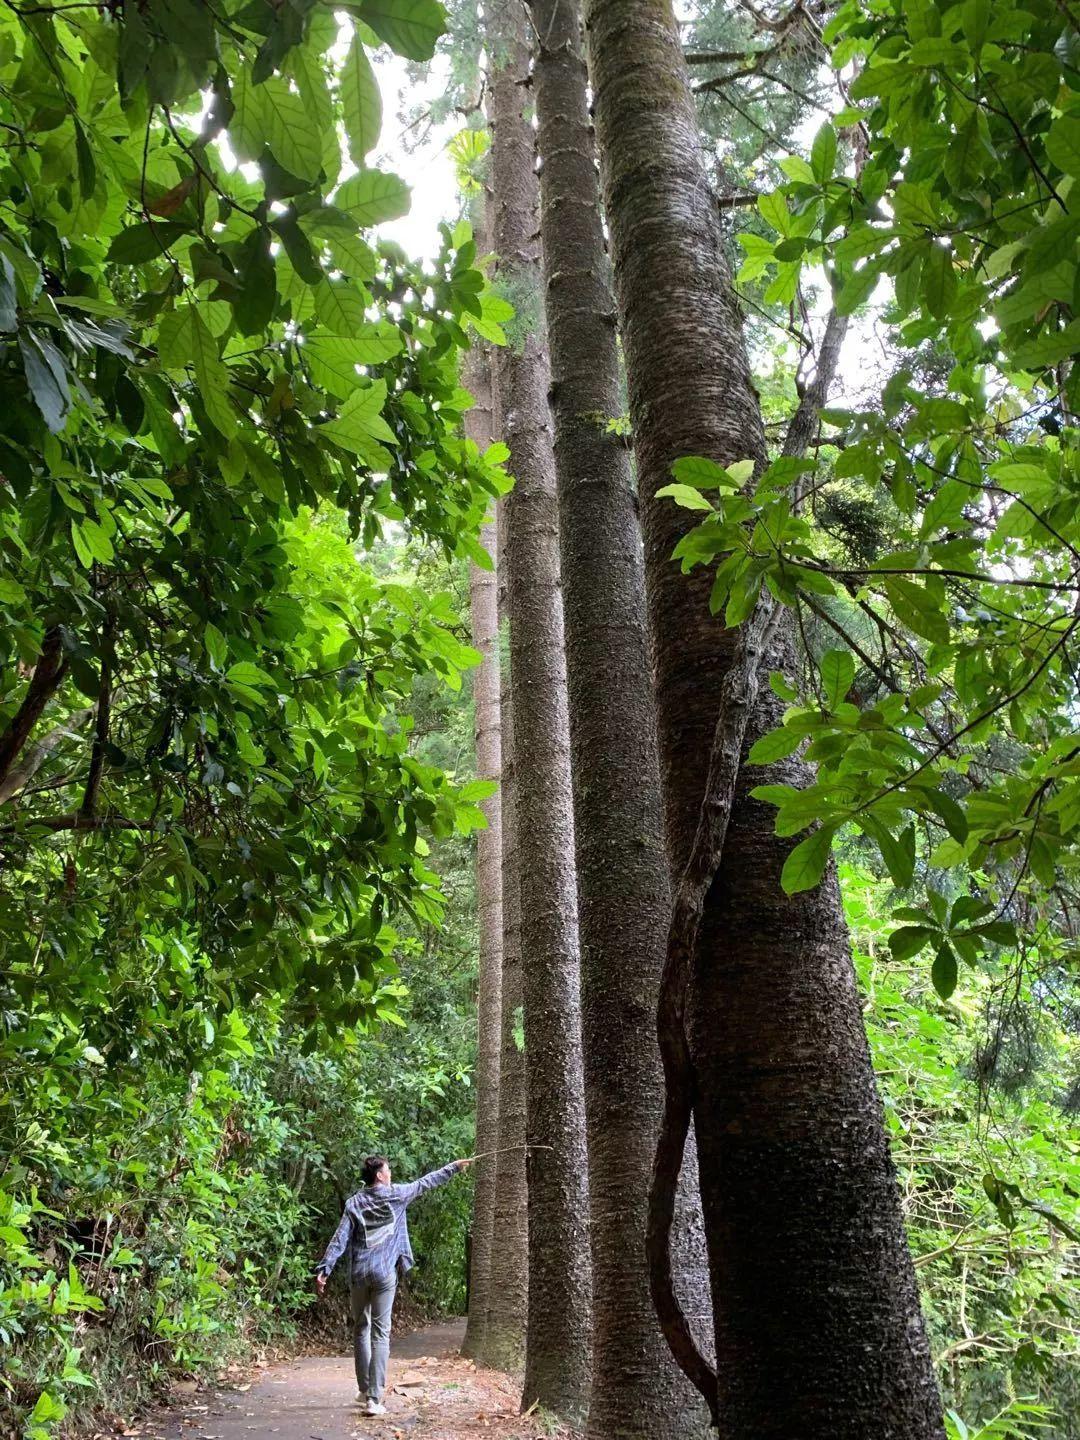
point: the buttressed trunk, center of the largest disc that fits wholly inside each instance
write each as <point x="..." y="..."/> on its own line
<point x="621" y="865"/>
<point x="818" y="1329"/>
<point x="483" y="599"/>
<point x="557" y="1336"/>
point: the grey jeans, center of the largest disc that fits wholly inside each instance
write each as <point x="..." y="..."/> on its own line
<point x="372" y="1304"/>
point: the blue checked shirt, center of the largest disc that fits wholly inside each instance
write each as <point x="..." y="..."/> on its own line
<point x="376" y="1231"/>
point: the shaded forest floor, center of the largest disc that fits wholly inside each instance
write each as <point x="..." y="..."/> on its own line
<point x="433" y="1395"/>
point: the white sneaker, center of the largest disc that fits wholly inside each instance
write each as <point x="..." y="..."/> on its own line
<point x="361" y="1397"/>
<point x="374" y="1408"/>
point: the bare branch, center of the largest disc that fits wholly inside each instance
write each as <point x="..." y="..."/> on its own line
<point x="48" y="674"/>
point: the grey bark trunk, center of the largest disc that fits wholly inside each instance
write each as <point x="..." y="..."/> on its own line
<point x="504" y="1331"/>
<point x="622" y="872"/>
<point x="806" y="421"/>
<point x="818" y="1328"/>
<point x="557" y="1335"/>
<point x="483" y="598"/>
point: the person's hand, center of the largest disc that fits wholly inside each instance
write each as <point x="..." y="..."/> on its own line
<point x="320" y="1284"/>
<point x="463" y="1164"/>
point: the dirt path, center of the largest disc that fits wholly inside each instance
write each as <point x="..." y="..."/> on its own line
<point x="433" y="1395"/>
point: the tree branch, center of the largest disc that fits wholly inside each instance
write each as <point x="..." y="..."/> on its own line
<point x="804" y="423"/>
<point x="737" y="199"/>
<point x="17" y="779"/>
<point x="48" y="674"/>
<point x="721" y="57"/>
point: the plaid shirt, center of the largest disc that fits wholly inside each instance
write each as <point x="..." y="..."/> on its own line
<point x="374" y="1221"/>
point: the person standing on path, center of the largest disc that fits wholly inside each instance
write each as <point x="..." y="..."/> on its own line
<point x="377" y="1233"/>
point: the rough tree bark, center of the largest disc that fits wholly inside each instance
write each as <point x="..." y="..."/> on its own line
<point x="503" y="1344"/>
<point x="818" y="1329"/>
<point x="483" y="598"/>
<point x="621" y="865"/>
<point x="557" y="1339"/>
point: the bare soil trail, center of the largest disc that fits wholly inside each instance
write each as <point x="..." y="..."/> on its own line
<point x="433" y="1395"/>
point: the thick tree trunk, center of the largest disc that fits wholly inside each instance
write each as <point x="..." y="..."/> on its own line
<point x="816" y="1311"/>
<point x="483" y="597"/>
<point x="503" y="1345"/>
<point x="622" y="869"/>
<point x="557" y="1340"/>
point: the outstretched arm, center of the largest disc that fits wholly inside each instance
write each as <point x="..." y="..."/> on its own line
<point x="333" y="1251"/>
<point x="409" y="1192"/>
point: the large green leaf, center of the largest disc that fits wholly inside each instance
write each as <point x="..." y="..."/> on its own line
<point x="1063" y="144"/>
<point x="411" y="27"/>
<point x="48" y="379"/>
<point x="372" y="197"/>
<point x="359" y="426"/>
<point x="211" y="376"/>
<point x="361" y="102"/>
<point x="291" y="129"/>
<point x="333" y="358"/>
<point x="837" y="670"/>
<point x="806" y="864"/>
<point x="148" y="240"/>
<point x="340" y="307"/>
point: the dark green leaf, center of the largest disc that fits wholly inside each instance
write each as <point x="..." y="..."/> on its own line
<point x="149" y="240"/>
<point x="47" y="377"/>
<point x="411" y="27"/>
<point x="944" y="972"/>
<point x="806" y="864"/>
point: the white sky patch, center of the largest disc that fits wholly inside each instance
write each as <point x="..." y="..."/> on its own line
<point x="425" y="167"/>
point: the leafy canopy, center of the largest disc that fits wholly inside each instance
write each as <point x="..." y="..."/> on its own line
<point x="941" y="709"/>
<point x="203" y="741"/>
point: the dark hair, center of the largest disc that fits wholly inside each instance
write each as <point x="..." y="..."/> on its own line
<point x="372" y="1165"/>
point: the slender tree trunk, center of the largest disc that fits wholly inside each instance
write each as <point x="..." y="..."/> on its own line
<point x="483" y="597"/>
<point x="504" y="1331"/>
<point x="818" y="1328"/>
<point x="806" y="421"/>
<point x="557" y="1340"/>
<point x="622" y="869"/>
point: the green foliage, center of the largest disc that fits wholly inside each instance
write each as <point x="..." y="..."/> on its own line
<point x="943" y="726"/>
<point x="219" y="389"/>
<point x="172" y="1168"/>
<point x="163" y="1218"/>
<point x="989" y="1172"/>
<point x="196" y="355"/>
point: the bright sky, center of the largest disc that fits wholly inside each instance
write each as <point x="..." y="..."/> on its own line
<point x="428" y="169"/>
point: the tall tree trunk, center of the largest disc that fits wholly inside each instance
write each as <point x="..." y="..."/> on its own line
<point x="817" y="1320"/>
<point x="503" y="1345"/>
<point x="557" y="1340"/>
<point x="622" y="869"/>
<point x="483" y="598"/>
